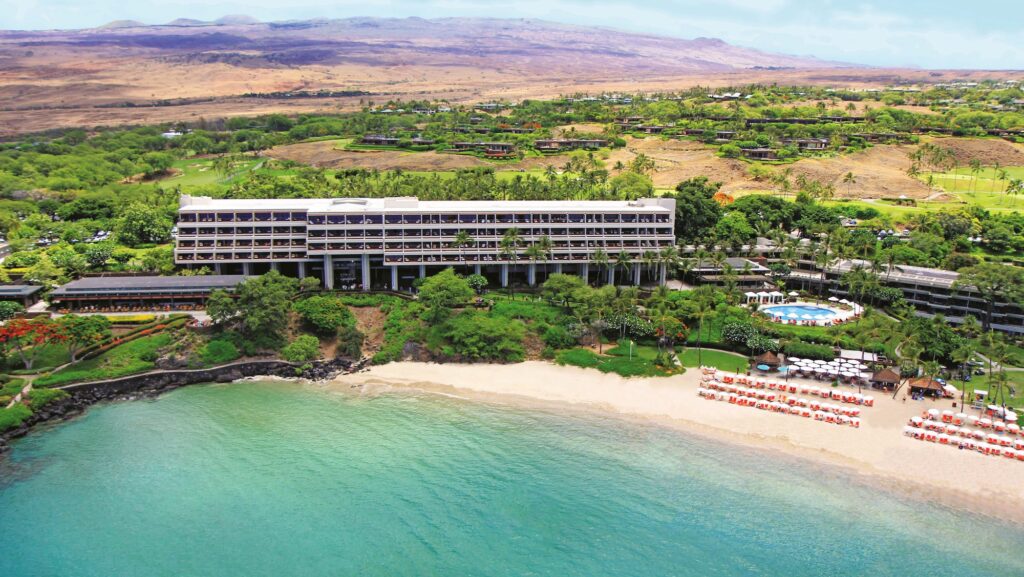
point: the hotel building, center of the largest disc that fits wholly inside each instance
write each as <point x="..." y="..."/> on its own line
<point x="389" y="242"/>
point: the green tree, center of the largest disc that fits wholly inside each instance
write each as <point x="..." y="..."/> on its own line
<point x="509" y="251"/>
<point x="263" y="304"/>
<point x="324" y="314"/>
<point x="141" y="223"/>
<point x="9" y="310"/>
<point x="83" y="331"/>
<point x="97" y="254"/>
<point x="303" y="349"/>
<point x="443" y="292"/>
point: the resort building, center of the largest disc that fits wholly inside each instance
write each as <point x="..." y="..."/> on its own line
<point x="24" y="294"/>
<point x="354" y="243"/>
<point x="931" y="291"/>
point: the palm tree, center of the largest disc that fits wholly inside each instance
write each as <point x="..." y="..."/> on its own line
<point x="535" y="253"/>
<point x="509" y="245"/>
<point x="975" y="169"/>
<point x="849" y="180"/>
<point x="703" y="306"/>
<point x="461" y="241"/>
<point x="910" y="353"/>
<point x="648" y="258"/>
<point x="668" y="258"/>
<point x="547" y="249"/>
<point x="600" y="259"/>
<point x="623" y="261"/>
<point x="961" y="356"/>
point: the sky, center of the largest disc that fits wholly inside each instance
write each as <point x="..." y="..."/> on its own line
<point x="921" y="33"/>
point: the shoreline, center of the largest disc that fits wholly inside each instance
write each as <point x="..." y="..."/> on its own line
<point x="876" y="452"/>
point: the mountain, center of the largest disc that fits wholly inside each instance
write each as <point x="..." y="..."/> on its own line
<point x="236" y="19"/>
<point x="118" y="24"/>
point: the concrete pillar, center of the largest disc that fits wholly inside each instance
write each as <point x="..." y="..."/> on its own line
<point x="531" y="274"/>
<point x="216" y="268"/>
<point x="247" y="268"/>
<point x="662" y="274"/>
<point x="302" y="270"/>
<point x="585" y="272"/>
<point x="611" y="275"/>
<point x="364" y="267"/>
<point x="636" y="274"/>
<point x="328" y="272"/>
<point x="273" y="265"/>
<point x="394" y="278"/>
<point x="423" y="271"/>
<point x="504" y="275"/>
<point x="558" y="268"/>
<point x="476" y="269"/>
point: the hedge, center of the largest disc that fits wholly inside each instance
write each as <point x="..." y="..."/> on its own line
<point x="804" y="350"/>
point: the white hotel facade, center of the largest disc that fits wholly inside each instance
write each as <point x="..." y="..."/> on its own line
<point x="387" y="243"/>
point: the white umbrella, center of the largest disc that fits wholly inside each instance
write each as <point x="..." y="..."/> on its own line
<point x="844" y="301"/>
<point x="793" y="359"/>
<point x="820" y="362"/>
<point x="833" y="300"/>
<point x="862" y="366"/>
<point x="819" y="370"/>
<point x="794" y="294"/>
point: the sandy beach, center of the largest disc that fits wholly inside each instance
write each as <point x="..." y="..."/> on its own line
<point x="877" y="451"/>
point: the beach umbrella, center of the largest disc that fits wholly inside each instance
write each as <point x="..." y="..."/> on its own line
<point x="844" y="301"/>
<point x="762" y="367"/>
<point x="820" y="362"/>
<point x="793" y="359"/>
<point x="833" y="299"/>
<point x="794" y="294"/>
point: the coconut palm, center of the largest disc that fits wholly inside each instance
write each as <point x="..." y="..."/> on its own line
<point x="648" y="258"/>
<point x="461" y="241"/>
<point x="509" y="246"/>
<point x="535" y="253"/>
<point x="600" y="260"/>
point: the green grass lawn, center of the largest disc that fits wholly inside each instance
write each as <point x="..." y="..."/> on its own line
<point x="48" y="357"/>
<point x="133" y="357"/>
<point x="199" y="172"/>
<point x="709" y="357"/>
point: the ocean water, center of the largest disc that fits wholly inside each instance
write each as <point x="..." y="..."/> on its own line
<point x="280" y="479"/>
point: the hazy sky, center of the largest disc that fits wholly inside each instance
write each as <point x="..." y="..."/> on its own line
<point x="927" y="33"/>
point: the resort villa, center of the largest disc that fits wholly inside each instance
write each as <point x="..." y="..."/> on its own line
<point x="388" y="243"/>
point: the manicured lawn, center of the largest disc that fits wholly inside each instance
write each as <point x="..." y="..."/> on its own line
<point x="48" y="357"/>
<point x="1016" y="381"/>
<point x="200" y="172"/>
<point x="709" y="357"/>
<point x="616" y="360"/>
<point x="134" y="357"/>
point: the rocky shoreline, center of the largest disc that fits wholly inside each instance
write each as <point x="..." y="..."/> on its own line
<point x="155" y="383"/>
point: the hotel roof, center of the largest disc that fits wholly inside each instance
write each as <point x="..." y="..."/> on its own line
<point x="411" y="204"/>
<point x="118" y="285"/>
<point x="19" y="290"/>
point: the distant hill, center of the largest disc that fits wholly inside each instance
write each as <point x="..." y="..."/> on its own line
<point x="186" y="22"/>
<point x="236" y="19"/>
<point x="118" y="24"/>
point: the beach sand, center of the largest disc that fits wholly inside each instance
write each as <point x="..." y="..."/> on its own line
<point x="877" y="451"/>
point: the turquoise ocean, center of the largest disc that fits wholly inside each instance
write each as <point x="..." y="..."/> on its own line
<point x="281" y="479"/>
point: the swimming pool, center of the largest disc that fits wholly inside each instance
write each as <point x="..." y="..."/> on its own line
<point x="800" y="313"/>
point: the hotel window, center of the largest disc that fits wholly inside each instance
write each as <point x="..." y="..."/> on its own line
<point x="317" y="219"/>
<point x="243" y="217"/>
<point x="262" y="230"/>
<point x="206" y="217"/>
<point x="262" y="216"/>
<point x="225" y="217"/>
<point x="298" y="216"/>
<point x="186" y="217"/>
<point x="225" y="230"/>
<point x="204" y="231"/>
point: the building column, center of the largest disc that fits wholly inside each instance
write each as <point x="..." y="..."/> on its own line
<point x="302" y="270"/>
<point x="662" y="274"/>
<point x="558" y="268"/>
<point x="216" y="268"/>
<point x="328" y="272"/>
<point x="476" y="269"/>
<point x="636" y="274"/>
<point x="394" y="278"/>
<point x="273" y="265"/>
<point x="504" y="275"/>
<point x="247" y="268"/>
<point x="611" y="275"/>
<point x="423" y="271"/>
<point x="364" y="267"/>
<point x="585" y="272"/>
<point x="531" y="274"/>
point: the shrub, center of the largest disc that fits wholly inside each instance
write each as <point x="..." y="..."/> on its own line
<point x="42" y="397"/>
<point x="304" y="348"/>
<point x="324" y="314"/>
<point x="804" y="350"/>
<point x="14" y="416"/>
<point x="350" y="343"/>
<point x="558" y="337"/>
<point x="218" y="352"/>
<point x="578" y="358"/>
<point x="477" y="336"/>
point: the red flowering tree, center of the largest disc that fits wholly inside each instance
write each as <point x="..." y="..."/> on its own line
<point x="27" y="336"/>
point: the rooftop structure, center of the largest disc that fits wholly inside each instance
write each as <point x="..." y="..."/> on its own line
<point x="140" y="292"/>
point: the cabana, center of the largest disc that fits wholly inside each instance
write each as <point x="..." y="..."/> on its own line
<point x="886" y="378"/>
<point x="769" y="359"/>
<point x="927" y="386"/>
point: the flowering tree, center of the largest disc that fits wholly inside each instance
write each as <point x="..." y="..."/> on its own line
<point x="83" y="331"/>
<point x="27" y="336"/>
